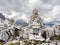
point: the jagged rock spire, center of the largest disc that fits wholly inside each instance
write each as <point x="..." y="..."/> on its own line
<point x="35" y="11"/>
<point x="35" y="20"/>
<point x="34" y="15"/>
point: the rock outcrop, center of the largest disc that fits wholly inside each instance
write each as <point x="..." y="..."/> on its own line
<point x="4" y="36"/>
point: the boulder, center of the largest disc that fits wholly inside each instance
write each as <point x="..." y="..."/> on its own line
<point x="3" y="36"/>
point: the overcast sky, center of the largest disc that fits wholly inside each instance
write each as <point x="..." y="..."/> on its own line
<point x="49" y="10"/>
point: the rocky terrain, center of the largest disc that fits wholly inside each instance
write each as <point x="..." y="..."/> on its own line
<point x="34" y="33"/>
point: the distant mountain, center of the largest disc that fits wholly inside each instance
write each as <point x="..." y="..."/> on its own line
<point x="48" y="23"/>
<point x="2" y="16"/>
<point x="21" y="22"/>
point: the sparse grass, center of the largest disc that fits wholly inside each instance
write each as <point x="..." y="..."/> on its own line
<point x="27" y="42"/>
<point x="55" y="38"/>
<point x="21" y="38"/>
<point x="11" y="44"/>
<point x="58" y="39"/>
<point x="1" y="43"/>
<point x="17" y="43"/>
<point x="36" y="42"/>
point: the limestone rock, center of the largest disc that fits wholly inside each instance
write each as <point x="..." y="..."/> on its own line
<point x="35" y="20"/>
<point x="3" y="36"/>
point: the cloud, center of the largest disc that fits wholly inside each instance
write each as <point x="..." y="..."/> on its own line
<point x="53" y="15"/>
<point x="13" y="14"/>
<point x="38" y="4"/>
<point x="16" y="5"/>
<point x="48" y="9"/>
<point x="23" y="17"/>
<point x="53" y="2"/>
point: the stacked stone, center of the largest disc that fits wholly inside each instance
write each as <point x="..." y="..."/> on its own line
<point x="35" y="27"/>
<point x="35" y="20"/>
